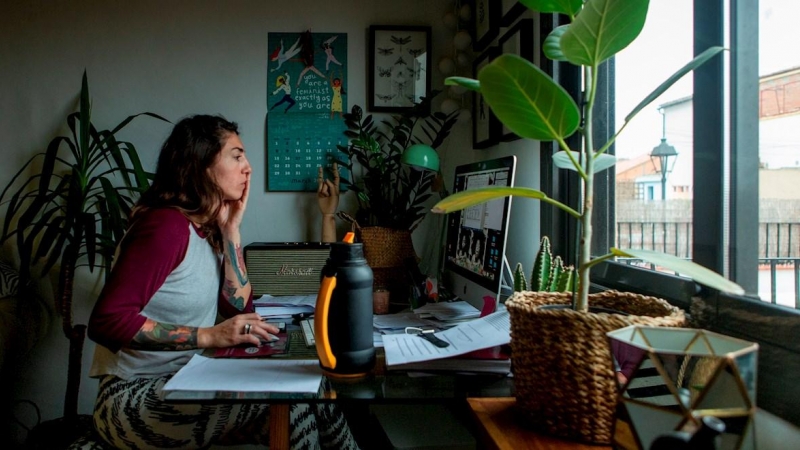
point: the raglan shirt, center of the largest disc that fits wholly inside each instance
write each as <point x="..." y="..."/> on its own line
<point x="166" y="271"/>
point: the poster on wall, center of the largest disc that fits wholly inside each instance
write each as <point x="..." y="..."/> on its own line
<point x="306" y="101"/>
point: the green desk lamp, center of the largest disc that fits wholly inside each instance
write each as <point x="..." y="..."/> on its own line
<point x="421" y="156"/>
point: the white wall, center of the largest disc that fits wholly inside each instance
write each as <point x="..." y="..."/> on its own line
<point x="178" y="58"/>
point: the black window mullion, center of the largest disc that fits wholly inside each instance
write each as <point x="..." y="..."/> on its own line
<point x="744" y="140"/>
<point x="708" y="206"/>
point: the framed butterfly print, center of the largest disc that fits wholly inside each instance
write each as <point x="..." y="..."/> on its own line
<point x="399" y="62"/>
<point x="486" y="22"/>
<point x="486" y="126"/>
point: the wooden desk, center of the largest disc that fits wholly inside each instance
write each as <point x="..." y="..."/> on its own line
<point x="499" y="430"/>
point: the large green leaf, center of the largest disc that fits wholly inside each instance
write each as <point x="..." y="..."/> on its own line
<point x="568" y="7"/>
<point x="684" y="267"/>
<point x="469" y="83"/>
<point x="601" y="162"/>
<point x="552" y="44"/>
<point x="472" y="197"/>
<point x="527" y="100"/>
<point x="603" y="28"/>
<point x="698" y="61"/>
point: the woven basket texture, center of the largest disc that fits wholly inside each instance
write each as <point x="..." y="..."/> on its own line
<point x="386" y="247"/>
<point x="564" y="378"/>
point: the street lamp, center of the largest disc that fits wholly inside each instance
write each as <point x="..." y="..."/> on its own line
<point x="662" y="153"/>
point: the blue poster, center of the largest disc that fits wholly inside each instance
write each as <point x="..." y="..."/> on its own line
<point x="306" y="100"/>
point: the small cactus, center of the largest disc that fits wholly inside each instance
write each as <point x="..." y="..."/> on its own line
<point x="549" y="274"/>
<point x="520" y="283"/>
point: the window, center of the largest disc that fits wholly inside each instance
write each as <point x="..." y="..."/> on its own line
<point x="660" y="220"/>
<point x="702" y="207"/>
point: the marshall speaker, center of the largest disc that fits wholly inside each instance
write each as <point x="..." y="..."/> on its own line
<point x="285" y="268"/>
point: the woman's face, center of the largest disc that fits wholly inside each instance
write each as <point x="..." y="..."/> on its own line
<point x="231" y="170"/>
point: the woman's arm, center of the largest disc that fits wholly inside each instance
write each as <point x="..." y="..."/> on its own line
<point x="163" y="336"/>
<point x="236" y="288"/>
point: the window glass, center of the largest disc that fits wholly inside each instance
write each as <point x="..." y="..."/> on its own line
<point x="654" y="169"/>
<point x="779" y="151"/>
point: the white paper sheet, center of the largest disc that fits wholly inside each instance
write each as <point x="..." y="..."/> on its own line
<point x="485" y="332"/>
<point x="400" y="320"/>
<point x="247" y="375"/>
<point x="282" y="311"/>
<point x="286" y="300"/>
<point x="448" y="310"/>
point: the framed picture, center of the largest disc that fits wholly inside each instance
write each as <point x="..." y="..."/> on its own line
<point x="485" y="126"/>
<point x="487" y="22"/>
<point x="518" y="41"/>
<point x="511" y="10"/>
<point x="399" y="62"/>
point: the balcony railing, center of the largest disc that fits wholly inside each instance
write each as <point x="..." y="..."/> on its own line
<point x="778" y="258"/>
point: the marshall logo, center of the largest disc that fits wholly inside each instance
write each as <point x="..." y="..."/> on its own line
<point x="285" y="268"/>
<point x="287" y="271"/>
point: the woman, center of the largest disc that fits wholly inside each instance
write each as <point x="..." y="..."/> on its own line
<point x="282" y="82"/>
<point x="336" y="100"/>
<point x="160" y="304"/>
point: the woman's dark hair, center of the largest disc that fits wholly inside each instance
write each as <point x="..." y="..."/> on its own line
<point x="182" y="180"/>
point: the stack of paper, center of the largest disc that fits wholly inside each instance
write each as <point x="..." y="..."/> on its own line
<point x="495" y="359"/>
<point x="397" y="323"/>
<point x="448" y="311"/>
<point x="284" y="306"/>
<point x="486" y="332"/>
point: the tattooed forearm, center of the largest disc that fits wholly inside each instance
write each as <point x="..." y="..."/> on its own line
<point x="229" y="294"/>
<point x="237" y="262"/>
<point x="164" y="336"/>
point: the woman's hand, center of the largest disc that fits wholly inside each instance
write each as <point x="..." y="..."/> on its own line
<point x="233" y="332"/>
<point x="328" y="191"/>
<point x="231" y="213"/>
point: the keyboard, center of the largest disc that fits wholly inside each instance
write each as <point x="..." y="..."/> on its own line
<point x="307" y="325"/>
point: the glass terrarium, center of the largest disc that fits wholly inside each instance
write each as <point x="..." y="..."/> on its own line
<point x="670" y="378"/>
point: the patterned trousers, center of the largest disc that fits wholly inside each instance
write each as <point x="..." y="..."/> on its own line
<point x="133" y="415"/>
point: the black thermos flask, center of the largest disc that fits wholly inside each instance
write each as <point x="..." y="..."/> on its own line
<point x="343" y="314"/>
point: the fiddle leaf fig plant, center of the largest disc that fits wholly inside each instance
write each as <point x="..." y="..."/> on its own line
<point x="534" y="106"/>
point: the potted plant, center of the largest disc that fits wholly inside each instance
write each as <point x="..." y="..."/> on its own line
<point x="392" y="195"/>
<point x="564" y="378"/>
<point x="71" y="211"/>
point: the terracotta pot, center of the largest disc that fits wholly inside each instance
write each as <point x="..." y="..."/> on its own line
<point x="564" y="377"/>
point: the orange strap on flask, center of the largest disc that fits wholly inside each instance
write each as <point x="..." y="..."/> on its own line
<point x="323" y="344"/>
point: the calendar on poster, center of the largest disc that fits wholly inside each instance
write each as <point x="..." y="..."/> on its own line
<point x="306" y="100"/>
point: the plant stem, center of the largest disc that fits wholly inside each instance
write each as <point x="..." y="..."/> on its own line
<point x="585" y="248"/>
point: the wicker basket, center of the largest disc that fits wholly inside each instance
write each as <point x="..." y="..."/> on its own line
<point x="386" y="247"/>
<point x="563" y="375"/>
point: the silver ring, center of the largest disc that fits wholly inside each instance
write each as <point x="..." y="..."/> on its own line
<point x="247" y="328"/>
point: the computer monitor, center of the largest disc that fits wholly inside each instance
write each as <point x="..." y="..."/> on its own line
<point x="475" y="246"/>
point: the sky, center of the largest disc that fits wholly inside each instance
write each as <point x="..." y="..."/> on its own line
<point x="665" y="45"/>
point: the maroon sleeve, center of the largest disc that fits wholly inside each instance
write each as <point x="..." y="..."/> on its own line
<point x="152" y="248"/>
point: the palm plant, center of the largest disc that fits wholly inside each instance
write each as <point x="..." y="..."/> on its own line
<point x="74" y="211"/>
<point x="530" y="103"/>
